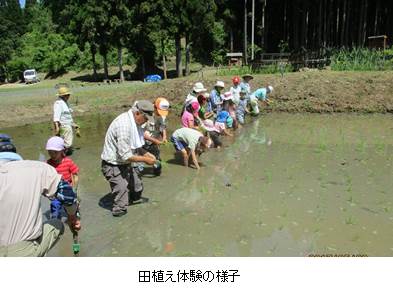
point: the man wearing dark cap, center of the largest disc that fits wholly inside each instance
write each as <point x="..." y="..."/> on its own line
<point x="121" y="153"/>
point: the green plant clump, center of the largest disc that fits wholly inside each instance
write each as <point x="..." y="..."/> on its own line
<point x="362" y="59"/>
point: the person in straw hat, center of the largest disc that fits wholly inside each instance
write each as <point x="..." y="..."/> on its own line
<point x="62" y="118"/>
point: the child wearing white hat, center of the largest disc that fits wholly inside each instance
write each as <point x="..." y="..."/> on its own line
<point x="260" y="95"/>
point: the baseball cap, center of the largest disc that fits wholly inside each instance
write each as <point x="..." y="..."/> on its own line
<point x="147" y="108"/>
<point x="55" y="143"/>
<point x="162" y="106"/>
<point x="6" y="144"/>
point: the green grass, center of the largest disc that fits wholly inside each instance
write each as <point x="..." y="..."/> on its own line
<point x="361" y="59"/>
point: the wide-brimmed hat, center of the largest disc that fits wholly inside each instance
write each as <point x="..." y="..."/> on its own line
<point x="198" y="87"/>
<point x="248" y="76"/>
<point x="63" y="91"/>
<point x="147" y="108"/>
<point x="220" y="84"/>
<point x="227" y="95"/>
<point x="162" y="106"/>
<point x="209" y="125"/>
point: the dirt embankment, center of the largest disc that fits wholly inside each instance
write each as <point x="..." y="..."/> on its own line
<point x="309" y="91"/>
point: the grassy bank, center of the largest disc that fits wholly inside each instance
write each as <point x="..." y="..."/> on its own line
<point x="310" y="91"/>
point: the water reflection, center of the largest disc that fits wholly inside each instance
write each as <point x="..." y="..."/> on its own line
<point x="323" y="186"/>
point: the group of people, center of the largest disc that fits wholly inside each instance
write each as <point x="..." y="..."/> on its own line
<point x="132" y="140"/>
<point x="207" y="116"/>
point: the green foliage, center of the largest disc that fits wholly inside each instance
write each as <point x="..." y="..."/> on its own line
<point x="218" y="54"/>
<point x="43" y="49"/>
<point x="361" y="59"/>
<point x="12" y="26"/>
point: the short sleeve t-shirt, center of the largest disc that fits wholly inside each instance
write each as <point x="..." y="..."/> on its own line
<point x="21" y="185"/>
<point x="66" y="168"/>
<point x="235" y="90"/>
<point x="187" y="119"/>
<point x="188" y="136"/>
<point x="62" y="112"/>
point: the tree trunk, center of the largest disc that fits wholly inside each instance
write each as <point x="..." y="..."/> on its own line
<point x="320" y="24"/>
<point x="343" y="22"/>
<point x="188" y="59"/>
<point x="143" y="66"/>
<point x="252" y="29"/>
<point x="93" y="51"/>
<point x="376" y="17"/>
<point x="295" y="26"/>
<point x="263" y="26"/>
<point x="163" y="57"/>
<point x="106" y="73"/>
<point x="120" y="59"/>
<point x="179" y="70"/>
<point x="365" y="18"/>
<point x="361" y="20"/>
<point x="231" y="39"/>
<point x="245" y="32"/>
<point x="349" y="19"/>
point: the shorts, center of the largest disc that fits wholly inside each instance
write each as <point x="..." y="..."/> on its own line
<point x="178" y="144"/>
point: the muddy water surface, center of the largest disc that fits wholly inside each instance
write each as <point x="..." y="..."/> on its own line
<point x="286" y="185"/>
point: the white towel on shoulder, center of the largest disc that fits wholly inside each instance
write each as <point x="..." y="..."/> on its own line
<point x="137" y="140"/>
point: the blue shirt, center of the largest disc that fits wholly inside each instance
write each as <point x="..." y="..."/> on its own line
<point x="260" y="93"/>
<point x="222" y="117"/>
<point x="241" y="107"/>
<point x="215" y="101"/>
<point x="10" y="156"/>
<point x="247" y="87"/>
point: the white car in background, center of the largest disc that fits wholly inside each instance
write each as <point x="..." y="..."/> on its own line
<point x="30" y="76"/>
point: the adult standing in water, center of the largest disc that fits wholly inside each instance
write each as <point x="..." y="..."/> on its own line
<point x="22" y="182"/>
<point x="123" y="151"/>
<point x="62" y="118"/>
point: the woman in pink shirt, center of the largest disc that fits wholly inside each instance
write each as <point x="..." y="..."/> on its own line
<point x="189" y="115"/>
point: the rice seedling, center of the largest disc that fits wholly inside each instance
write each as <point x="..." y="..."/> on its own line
<point x="350" y="221"/>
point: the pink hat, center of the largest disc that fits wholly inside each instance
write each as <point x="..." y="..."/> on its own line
<point x="195" y="106"/>
<point x="209" y="125"/>
<point x="227" y="95"/>
<point x="55" y="143"/>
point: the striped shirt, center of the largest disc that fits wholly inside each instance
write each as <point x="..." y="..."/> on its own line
<point x="66" y="168"/>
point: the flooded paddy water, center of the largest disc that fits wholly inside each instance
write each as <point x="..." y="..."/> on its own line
<point x="286" y="185"/>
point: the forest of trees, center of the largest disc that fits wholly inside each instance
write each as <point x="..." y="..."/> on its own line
<point x="55" y="36"/>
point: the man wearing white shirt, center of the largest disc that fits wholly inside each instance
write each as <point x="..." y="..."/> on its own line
<point x="62" y="117"/>
<point x="122" y="149"/>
